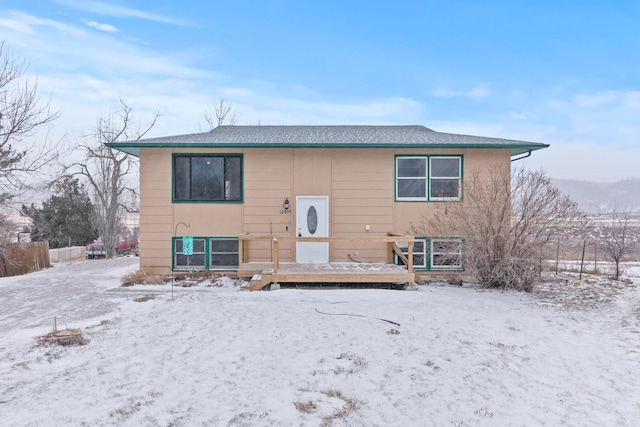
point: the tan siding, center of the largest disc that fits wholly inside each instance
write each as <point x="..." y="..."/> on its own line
<point x="363" y="202"/>
<point x="360" y="185"/>
<point x="474" y="161"/>
<point x="268" y="182"/>
<point x="157" y="211"/>
<point x="362" y="196"/>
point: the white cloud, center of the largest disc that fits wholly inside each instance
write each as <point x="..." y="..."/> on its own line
<point x="102" y="27"/>
<point x="446" y="92"/>
<point x="595" y="100"/>
<point x="16" y="25"/>
<point x="632" y="100"/>
<point x="576" y="159"/>
<point x="103" y="8"/>
<point x="521" y="115"/>
<point x="25" y="23"/>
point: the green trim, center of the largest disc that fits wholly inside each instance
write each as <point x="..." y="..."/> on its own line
<point x="427" y="199"/>
<point x="134" y="149"/>
<point x="428" y="267"/>
<point x="173" y="254"/>
<point x="208" y="202"/>
<point x="428" y="251"/>
<point x="207" y="252"/>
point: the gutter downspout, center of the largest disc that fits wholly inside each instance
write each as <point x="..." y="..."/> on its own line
<point x="523" y="157"/>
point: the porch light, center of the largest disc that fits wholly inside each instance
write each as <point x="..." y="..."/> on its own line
<point x="286" y="205"/>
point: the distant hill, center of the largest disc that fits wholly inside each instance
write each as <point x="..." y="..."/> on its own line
<point x="594" y="197"/>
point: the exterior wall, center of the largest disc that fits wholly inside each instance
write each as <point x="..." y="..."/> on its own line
<point x="360" y="184"/>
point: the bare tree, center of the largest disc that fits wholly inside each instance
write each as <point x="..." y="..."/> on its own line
<point x="224" y="115"/>
<point x="618" y="237"/>
<point x="506" y="220"/>
<point x="105" y="170"/>
<point x="22" y="115"/>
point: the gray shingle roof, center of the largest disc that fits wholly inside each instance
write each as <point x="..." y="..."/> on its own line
<point x="327" y="136"/>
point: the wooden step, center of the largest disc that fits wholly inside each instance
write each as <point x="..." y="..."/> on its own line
<point x="259" y="281"/>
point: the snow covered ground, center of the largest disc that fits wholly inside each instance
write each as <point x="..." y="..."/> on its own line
<point x="567" y="354"/>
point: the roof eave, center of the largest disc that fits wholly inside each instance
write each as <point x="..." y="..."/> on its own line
<point x="134" y="149"/>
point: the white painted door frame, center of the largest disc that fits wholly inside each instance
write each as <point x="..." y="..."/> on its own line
<point x="312" y="220"/>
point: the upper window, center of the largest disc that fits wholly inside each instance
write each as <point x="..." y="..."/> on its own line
<point x="207" y="178"/>
<point x="426" y="178"/>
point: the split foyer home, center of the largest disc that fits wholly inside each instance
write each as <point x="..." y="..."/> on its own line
<point x="325" y="194"/>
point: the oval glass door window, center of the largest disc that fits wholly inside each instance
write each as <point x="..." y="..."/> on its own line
<point x="312" y="220"/>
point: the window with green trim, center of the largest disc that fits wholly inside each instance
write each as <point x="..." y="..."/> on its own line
<point x="209" y="253"/>
<point x="195" y="261"/>
<point x="446" y="254"/>
<point x="428" y="178"/>
<point x="419" y="254"/>
<point x="210" y="178"/>
<point x="434" y="253"/>
<point x="223" y="254"/>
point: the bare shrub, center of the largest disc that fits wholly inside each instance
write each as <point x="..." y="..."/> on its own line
<point x="618" y="236"/>
<point x="64" y="337"/>
<point x="506" y="220"/>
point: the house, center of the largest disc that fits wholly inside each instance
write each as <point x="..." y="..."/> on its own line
<point x="303" y="181"/>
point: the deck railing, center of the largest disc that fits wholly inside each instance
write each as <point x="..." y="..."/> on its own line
<point x="391" y="239"/>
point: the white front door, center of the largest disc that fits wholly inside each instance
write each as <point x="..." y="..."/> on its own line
<point x="312" y="220"/>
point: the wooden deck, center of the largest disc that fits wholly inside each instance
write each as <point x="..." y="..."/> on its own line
<point x="263" y="274"/>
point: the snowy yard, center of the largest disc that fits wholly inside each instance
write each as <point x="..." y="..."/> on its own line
<point x="567" y="354"/>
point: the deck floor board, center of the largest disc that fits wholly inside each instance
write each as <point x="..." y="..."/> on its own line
<point x="339" y="272"/>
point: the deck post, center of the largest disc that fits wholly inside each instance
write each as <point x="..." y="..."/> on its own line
<point x="276" y="255"/>
<point x="410" y="256"/>
<point x="240" y="251"/>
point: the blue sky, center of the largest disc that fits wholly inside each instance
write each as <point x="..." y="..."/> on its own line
<point x="566" y="73"/>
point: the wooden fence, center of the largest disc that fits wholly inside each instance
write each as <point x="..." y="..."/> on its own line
<point x="23" y="258"/>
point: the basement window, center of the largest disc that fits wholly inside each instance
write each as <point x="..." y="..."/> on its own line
<point x="419" y="255"/>
<point x="446" y="254"/>
<point x="195" y="261"/>
<point x="223" y="254"/>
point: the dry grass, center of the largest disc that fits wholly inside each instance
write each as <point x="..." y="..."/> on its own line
<point x="142" y="278"/>
<point x="181" y="279"/>
<point x="308" y="407"/>
<point x="351" y="405"/>
<point x="65" y="338"/>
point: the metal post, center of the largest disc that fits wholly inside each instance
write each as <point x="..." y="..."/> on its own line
<point x="584" y="244"/>
<point x="173" y="249"/>
<point x="557" y="256"/>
